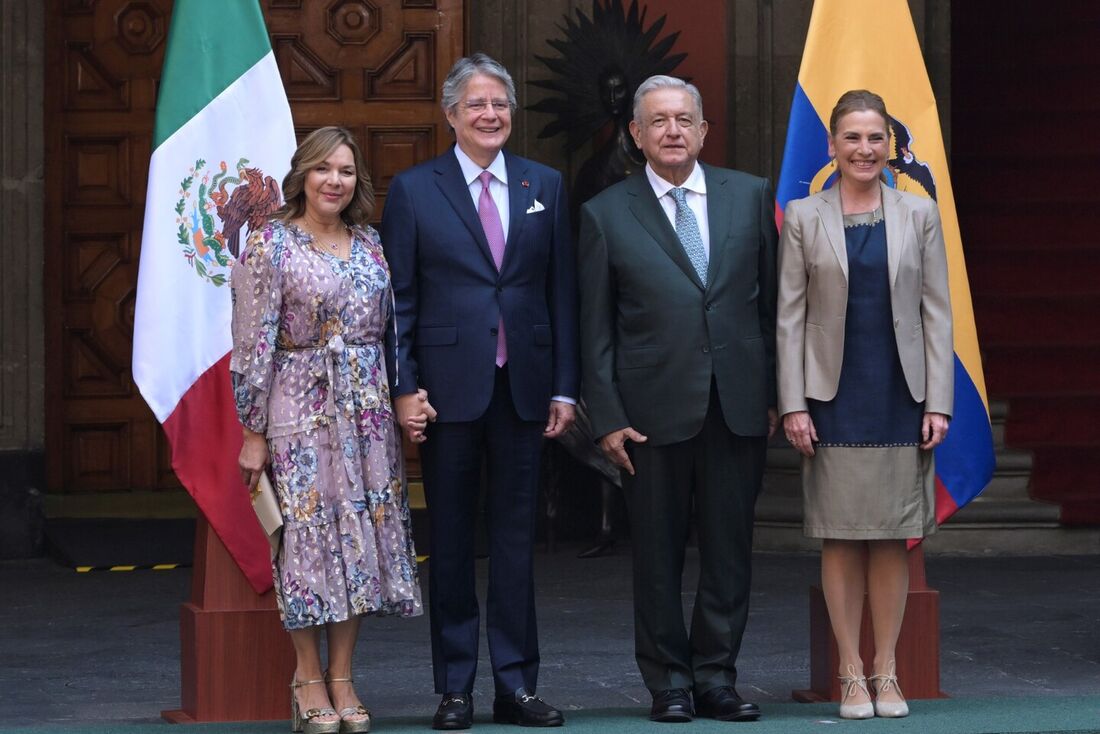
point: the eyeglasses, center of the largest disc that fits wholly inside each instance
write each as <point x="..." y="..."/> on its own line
<point x="478" y="106"/>
<point x="682" y="121"/>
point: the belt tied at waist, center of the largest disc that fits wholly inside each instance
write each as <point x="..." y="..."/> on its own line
<point x="335" y="345"/>
<point x="332" y="351"/>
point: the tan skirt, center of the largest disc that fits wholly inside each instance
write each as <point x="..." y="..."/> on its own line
<point x="869" y="493"/>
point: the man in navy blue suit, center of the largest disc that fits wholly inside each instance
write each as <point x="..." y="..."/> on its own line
<point x="481" y="257"/>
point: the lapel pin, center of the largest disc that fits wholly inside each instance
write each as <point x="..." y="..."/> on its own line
<point x="525" y="184"/>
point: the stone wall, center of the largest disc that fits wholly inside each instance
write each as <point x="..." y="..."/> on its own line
<point x="22" y="391"/>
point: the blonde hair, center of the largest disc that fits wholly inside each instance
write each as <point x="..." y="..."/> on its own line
<point x="317" y="146"/>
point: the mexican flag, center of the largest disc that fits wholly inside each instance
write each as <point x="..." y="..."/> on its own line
<point x="221" y="144"/>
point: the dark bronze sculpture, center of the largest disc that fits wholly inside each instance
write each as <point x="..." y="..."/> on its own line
<point x="603" y="60"/>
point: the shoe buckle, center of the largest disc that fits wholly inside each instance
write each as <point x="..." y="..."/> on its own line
<point x="528" y="698"/>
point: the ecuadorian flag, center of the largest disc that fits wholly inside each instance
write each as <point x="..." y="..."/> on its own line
<point x="855" y="44"/>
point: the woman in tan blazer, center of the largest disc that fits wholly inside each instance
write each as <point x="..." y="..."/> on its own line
<point x="865" y="368"/>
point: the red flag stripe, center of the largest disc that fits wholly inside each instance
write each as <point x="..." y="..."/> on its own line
<point x="206" y="439"/>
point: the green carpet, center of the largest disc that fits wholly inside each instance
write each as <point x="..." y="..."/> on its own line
<point x="948" y="716"/>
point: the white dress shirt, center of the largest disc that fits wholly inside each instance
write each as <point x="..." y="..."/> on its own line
<point x="498" y="184"/>
<point x="696" y="185"/>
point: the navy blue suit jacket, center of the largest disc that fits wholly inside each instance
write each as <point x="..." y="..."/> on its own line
<point x="450" y="296"/>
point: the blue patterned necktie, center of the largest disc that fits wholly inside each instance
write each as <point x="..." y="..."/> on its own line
<point x="687" y="229"/>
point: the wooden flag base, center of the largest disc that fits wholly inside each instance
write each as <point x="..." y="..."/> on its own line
<point x="236" y="660"/>
<point x="918" y="649"/>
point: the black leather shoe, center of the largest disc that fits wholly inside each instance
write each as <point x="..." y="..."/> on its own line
<point x="602" y="547"/>
<point x="724" y="704"/>
<point x="672" y="706"/>
<point x="456" y="711"/>
<point x="525" y="709"/>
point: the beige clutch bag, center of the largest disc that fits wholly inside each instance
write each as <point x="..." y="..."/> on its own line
<point x="266" y="506"/>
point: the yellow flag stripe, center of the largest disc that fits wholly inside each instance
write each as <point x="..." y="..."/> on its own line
<point x="871" y="44"/>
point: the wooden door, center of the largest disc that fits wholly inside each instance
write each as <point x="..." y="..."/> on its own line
<point x="374" y="66"/>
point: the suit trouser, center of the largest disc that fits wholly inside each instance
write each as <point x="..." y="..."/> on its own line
<point x="452" y="460"/>
<point x="721" y="472"/>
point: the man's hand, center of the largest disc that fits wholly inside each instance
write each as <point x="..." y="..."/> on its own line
<point x="773" y="421"/>
<point x="560" y="419"/>
<point x="800" y="431"/>
<point x="933" y="430"/>
<point x="414" y="412"/>
<point x="614" y="445"/>
<point x="253" y="458"/>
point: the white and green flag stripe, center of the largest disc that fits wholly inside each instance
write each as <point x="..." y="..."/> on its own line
<point x="221" y="114"/>
<point x="212" y="44"/>
<point x="222" y="143"/>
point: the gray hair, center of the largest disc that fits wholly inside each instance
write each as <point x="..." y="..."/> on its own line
<point x="465" y="69"/>
<point x="660" y="81"/>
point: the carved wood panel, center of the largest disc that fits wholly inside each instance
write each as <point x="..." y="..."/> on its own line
<point x="374" y="66"/>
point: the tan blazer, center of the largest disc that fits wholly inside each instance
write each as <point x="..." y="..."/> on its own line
<point x="813" y="299"/>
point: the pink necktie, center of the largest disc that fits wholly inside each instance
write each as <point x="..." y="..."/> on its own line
<point x="494" y="233"/>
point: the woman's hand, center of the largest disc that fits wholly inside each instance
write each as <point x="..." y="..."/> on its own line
<point x="253" y="459"/>
<point x="414" y="412"/>
<point x="800" y="431"/>
<point x="933" y="430"/>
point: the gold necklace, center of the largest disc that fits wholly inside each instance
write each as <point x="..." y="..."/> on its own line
<point x="335" y="247"/>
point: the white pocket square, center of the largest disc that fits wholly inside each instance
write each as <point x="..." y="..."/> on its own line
<point x="536" y="207"/>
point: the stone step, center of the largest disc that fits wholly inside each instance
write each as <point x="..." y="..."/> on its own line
<point x="998" y="414"/>
<point x="991" y="509"/>
<point x="955" y="539"/>
<point x="1010" y="539"/>
<point x="1011" y="475"/>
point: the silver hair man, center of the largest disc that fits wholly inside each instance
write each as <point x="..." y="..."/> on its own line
<point x="661" y="81"/>
<point x="465" y="69"/>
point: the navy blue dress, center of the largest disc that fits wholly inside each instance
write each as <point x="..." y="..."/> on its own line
<point x="873" y="406"/>
<point x="868" y="479"/>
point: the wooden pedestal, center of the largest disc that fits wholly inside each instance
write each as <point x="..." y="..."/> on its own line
<point x="918" y="649"/>
<point x="236" y="660"/>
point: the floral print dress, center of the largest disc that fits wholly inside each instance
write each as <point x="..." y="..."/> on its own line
<point x="309" y="372"/>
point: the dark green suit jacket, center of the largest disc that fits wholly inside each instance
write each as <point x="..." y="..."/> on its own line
<point x="653" y="335"/>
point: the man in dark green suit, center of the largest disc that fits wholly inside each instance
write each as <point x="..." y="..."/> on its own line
<point x="678" y="295"/>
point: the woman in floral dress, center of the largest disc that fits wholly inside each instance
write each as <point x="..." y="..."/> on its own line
<point x="312" y="308"/>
